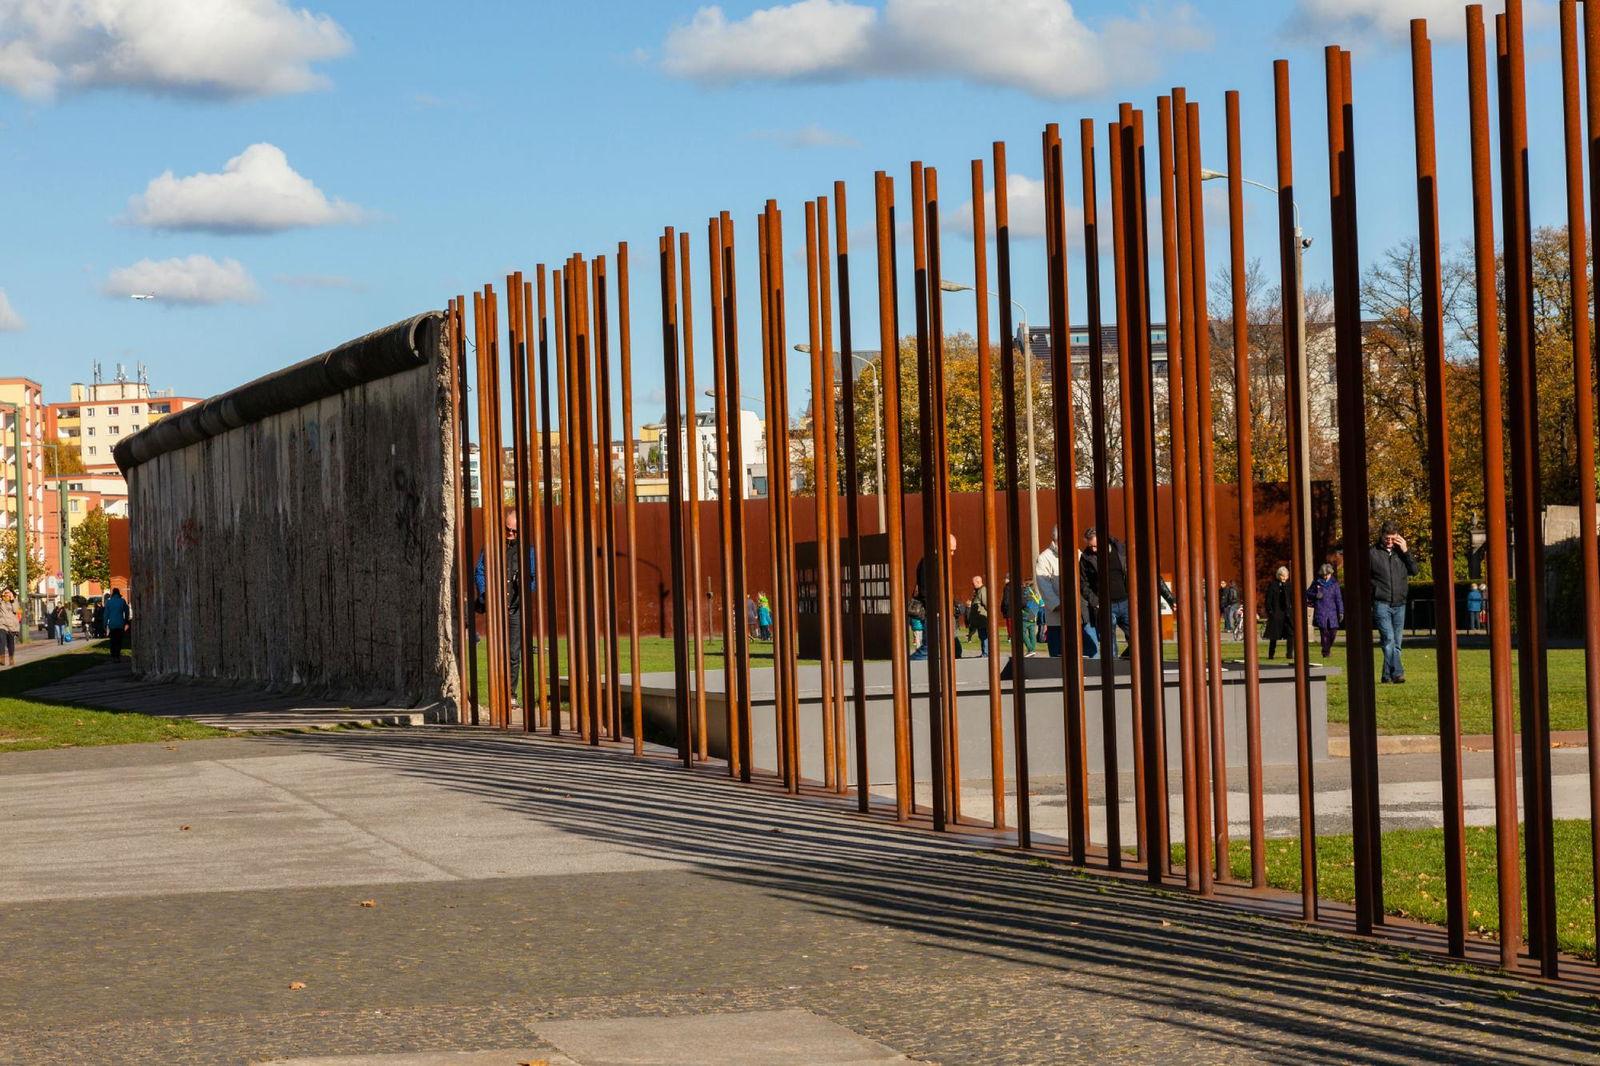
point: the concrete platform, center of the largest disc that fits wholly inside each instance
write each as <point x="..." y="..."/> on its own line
<point x="1046" y="722"/>
<point x="112" y="687"/>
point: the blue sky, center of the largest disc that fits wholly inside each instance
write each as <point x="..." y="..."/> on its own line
<point x="445" y="145"/>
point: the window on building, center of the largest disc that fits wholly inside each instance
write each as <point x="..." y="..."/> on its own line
<point x="90" y="431"/>
<point x="116" y="431"/>
<point x="134" y="409"/>
<point x="93" y="450"/>
<point x="111" y="410"/>
<point x="73" y="504"/>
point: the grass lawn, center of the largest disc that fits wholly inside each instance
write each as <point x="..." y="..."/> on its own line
<point x="1413" y="877"/>
<point x="1414" y="706"/>
<point x="655" y="655"/>
<point x="27" y="725"/>
<point x="1410" y="708"/>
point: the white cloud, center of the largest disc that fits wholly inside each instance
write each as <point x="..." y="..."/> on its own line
<point x="1038" y="46"/>
<point x="195" y="279"/>
<point x="257" y="192"/>
<point x="10" y="321"/>
<point x="1024" y="207"/>
<point x="812" y="136"/>
<point x="205" y="48"/>
<point x="1386" y="19"/>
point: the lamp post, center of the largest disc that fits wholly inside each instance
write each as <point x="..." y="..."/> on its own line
<point x="1301" y="243"/>
<point x="877" y="421"/>
<point x="21" y="524"/>
<point x="946" y="285"/>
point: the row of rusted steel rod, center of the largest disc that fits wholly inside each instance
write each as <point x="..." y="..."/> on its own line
<point x="1175" y="431"/>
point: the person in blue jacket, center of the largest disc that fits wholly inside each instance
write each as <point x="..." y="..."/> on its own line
<point x="513" y="594"/>
<point x="116" y="618"/>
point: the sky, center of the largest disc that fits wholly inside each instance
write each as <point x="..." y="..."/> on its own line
<point x="284" y="178"/>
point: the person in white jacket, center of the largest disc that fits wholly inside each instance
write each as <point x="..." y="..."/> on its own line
<point x="1047" y="580"/>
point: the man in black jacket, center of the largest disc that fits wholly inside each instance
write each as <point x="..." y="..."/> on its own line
<point x="1392" y="570"/>
<point x="1116" y="586"/>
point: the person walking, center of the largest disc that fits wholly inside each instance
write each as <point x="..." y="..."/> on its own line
<point x="1227" y="601"/>
<point x="918" y="610"/>
<point x="1115" y="560"/>
<point x="117" y="617"/>
<point x="1047" y="578"/>
<point x="1280" y="617"/>
<point x="978" y="614"/>
<point x="1474" y="606"/>
<point x="1392" y="570"/>
<point x="1032" y="617"/>
<point x="513" y="596"/>
<point x="63" y="622"/>
<point x="763" y="617"/>
<point x="1326" y="601"/>
<point x="10" y="626"/>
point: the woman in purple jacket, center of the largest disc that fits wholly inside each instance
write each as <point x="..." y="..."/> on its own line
<point x="1327" y="604"/>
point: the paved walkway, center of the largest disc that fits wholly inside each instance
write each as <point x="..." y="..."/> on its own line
<point x="415" y="892"/>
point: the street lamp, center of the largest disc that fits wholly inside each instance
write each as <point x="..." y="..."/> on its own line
<point x="946" y="285"/>
<point x="21" y="522"/>
<point x="1301" y="243"/>
<point x="877" y="421"/>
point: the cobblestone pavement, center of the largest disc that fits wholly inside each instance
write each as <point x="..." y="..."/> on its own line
<point x="739" y="899"/>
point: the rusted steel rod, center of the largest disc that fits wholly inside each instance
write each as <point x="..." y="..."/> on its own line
<point x="889" y="377"/>
<point x="939" y="449"/>
<point x="1217" y="736"/>
<point x="728" y="484"/>
<point x="1067" y="518"/>
<point x="739" y="737"/>
<point x="1169" y="122"/>
<point x="547" y="557"/>
<point x="466" y="592"/>
<point x="788" y="649"/>
<point x="1294" y="369"/>
<point x="1099" y="462"/>
<point x="1353" y="502"/>
<point x="819" y="471"/>
<point x="769" y="405"/>
<point x="1246" y="492"/>
<point x="1196" y="425"/>
<point x="492" y="474"/>
<point x="1125" y="411"/>
<point x="931" y="570"/>
<point x="1131" y="235"/>
<point x="1583" y="388"/>
<point x="589" y="628"/>
<point x="833" y="659"/>
<point x="608" y="508"/>
<point x="524" y="490"/>
<point x="562" y="289"/>
<point x="1014" y="519"/>
<point x="1444" y="595"/>
<point x="991" y="555"/>
<point x="1527" y="494"/>
<point x="533" y="531"/>
<point x="856" y="613"/>
<point x="572" y="493"/>
<point x="1497" y="530"/>
<point x="630" y="498"/>
<point x="674" y="449"/>
<point x="697" y="608"/>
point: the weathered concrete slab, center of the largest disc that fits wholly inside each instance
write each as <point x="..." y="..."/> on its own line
<point x="284" y="821"/>
<point x="753" y="1038"/>
<point x="497" y="1057"/>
